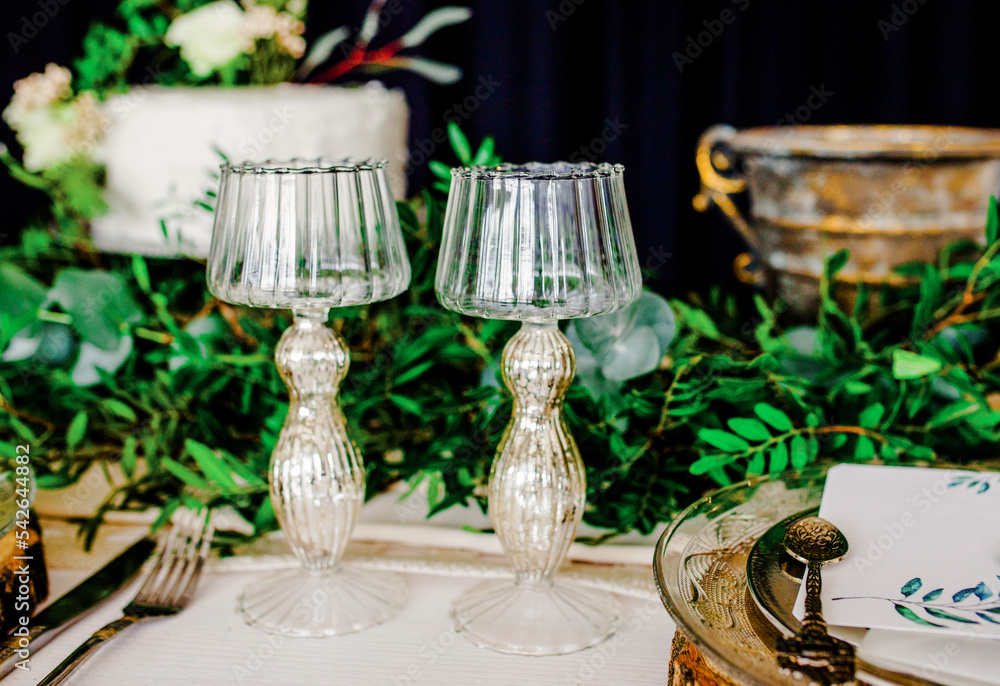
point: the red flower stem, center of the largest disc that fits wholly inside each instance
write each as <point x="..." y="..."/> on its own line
<point x="356" y="59"/>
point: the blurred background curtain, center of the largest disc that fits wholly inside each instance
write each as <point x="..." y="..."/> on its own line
<point x="635" y="82"/>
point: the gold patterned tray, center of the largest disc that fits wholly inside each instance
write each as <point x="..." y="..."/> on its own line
<point x="701" y="572"/>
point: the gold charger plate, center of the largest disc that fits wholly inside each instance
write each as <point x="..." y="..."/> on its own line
<point x="700" y="567"/>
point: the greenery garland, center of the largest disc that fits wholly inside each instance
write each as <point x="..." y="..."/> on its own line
<point x="192" y="408"/>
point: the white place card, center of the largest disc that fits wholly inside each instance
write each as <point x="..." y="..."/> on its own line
<point x="924" y="550"/>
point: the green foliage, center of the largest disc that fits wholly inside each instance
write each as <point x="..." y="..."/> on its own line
<point x="192" y="406"/>
<point x="485" y="154"/>
<point x="75" y="187"/>
<point x="973" y="605"/>
<point x="131" y="50"/>
<point x="99" y="303"/>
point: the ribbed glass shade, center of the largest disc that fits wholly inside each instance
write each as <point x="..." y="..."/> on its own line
<point x="537" y="242"/>
<point x="306" y="233"/>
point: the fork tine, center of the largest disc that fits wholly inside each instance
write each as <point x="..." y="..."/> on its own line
<point x="166" y="589"/>
<point x="179" y="550"/>
<point x="166" y="552"/>
<point x="191" y="532"/>
<point x="191" y="580"/>
<point x="188" y="560"/>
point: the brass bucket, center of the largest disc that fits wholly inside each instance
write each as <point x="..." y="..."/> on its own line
<point x="890" y="194"/>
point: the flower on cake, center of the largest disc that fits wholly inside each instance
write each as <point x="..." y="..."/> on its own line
<point x="263" y="21"/>
<point x="211" y="36"/>
<point x="215" y="34"/>
<point x="40" y="90"/>
<point x="51" y="125"/>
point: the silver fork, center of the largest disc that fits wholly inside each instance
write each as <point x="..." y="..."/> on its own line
<point x="165" y="592"/>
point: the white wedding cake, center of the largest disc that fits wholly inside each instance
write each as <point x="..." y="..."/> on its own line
<point x="163" y="146"/>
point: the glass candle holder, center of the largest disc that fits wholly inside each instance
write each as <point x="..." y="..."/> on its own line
<point x="537" y="243"/>
<point x="310" y="235"/>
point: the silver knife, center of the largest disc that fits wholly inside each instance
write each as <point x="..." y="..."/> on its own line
<point x="79" y="601"/>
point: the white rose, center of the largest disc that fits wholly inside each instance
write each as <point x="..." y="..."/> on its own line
<point x="42" y="134"/>
<point x="210" y="37"/>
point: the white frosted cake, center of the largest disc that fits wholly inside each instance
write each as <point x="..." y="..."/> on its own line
<point x="163" y="145"/>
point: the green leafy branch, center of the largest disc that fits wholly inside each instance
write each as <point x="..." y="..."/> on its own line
<point x="485" y="154"/>
<point x="192" y="407"/>
<point x="963" y="608"/>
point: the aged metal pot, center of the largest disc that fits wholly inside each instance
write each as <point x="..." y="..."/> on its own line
<point x="890" y="194"/>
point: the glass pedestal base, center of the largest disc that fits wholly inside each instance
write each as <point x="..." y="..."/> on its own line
<point x="543" y="618"/>
<point x="316" y="603"/>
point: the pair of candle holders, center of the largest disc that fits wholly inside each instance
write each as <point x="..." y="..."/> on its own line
<point x="535" y="243"/>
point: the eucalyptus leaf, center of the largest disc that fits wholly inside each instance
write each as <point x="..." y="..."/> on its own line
<point x="803" y="340"/>
<point x="99" y="303"/>
<point x="93" y="360"/>
<point x="636" y="354"/>
<point x="21" y="292"/>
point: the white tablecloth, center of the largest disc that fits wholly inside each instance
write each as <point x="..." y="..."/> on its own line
<point x="209" y="644"/>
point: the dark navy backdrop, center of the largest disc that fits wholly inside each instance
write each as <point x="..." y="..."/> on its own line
<point x="636" y="82"/>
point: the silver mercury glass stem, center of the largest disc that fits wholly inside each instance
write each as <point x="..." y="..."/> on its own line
<point x="537" y="487"/>
<point x="317" y="480"/>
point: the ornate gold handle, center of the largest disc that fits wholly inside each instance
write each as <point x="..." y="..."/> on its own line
<point x="716" y="189"/>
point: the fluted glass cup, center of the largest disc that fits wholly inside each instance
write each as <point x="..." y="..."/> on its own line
<point x="310" y="235"/>
<point x="537" y="243"/>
